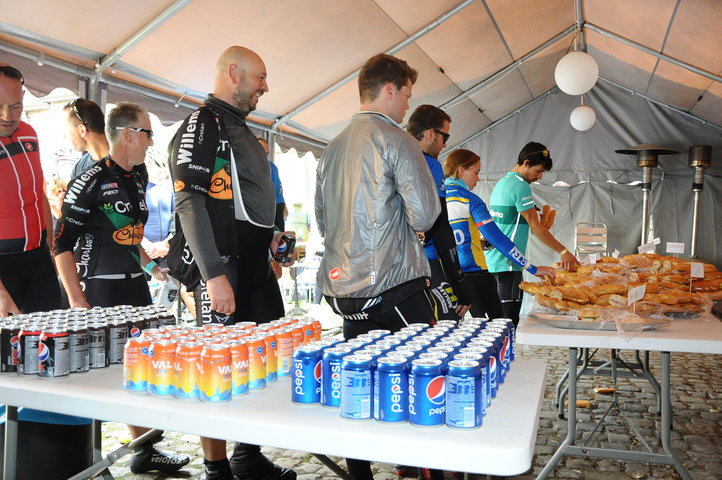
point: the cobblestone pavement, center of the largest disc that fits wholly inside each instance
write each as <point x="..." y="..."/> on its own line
<point x="696" y="438"/>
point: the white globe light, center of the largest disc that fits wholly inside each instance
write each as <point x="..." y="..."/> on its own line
<point x="582" y="118"/>
<point x="576" y="73"/>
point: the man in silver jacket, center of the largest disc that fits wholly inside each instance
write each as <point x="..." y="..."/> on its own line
<point x="373" y="193"/>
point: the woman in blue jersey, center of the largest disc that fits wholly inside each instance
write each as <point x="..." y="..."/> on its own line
<point x="475" y="231"/>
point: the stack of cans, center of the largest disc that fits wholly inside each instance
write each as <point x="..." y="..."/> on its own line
<point x="60" y="342"/>
<point x="428" y="376"/>
<point x="214" y="362"/>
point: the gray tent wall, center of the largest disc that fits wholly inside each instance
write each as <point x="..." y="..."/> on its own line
<point x="599" y="178"/>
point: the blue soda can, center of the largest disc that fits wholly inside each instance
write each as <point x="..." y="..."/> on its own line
<point x="492" y="363"/>
<point x="391" y="390"/>
<point x="499" y="336"/>
<point x="457" y="337"/>
<point x="358" y="342"/>
<point x="409" y="347"/>
<point x="444" y="357"/>
<point x="426" y="392"/>
<point x="450" y="343"/>
<point x="418" y="326"/>
<point x="446" y="323"/>
<point x="378" y="333"/>
<point x="407" y="355"/>
<point x="419" y="342"/>
<point x="463" y="399"/>
<point x="387" y="343"/>
<point x="356" y="387"/>
<point x="484" y="390"/>
<point x="306" y="375"/>
<point x="331" y="375"/>
<point x="510" y="325"/>
<point x="506" y="343"/>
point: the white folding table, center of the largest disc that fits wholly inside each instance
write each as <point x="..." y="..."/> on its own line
<point x="504" y="445"/>
<point x="681" y="335"/>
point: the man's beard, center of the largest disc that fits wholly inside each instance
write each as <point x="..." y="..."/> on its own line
<point x="242" y="100"/>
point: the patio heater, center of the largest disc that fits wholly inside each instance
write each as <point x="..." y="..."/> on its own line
<point x="700" y="157"/>
<point x="647" y="159"/>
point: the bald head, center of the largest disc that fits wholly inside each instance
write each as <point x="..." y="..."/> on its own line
<point x="240" y="78"/>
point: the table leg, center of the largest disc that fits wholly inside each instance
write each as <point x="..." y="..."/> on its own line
<point x="667" y="418"/>
<point x="11" y="442"/>
<point x="571" y="417"/>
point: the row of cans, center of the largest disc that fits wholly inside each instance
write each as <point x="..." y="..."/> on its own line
<point x="58" y="343"/>
<point x="214" y="362"/>
<point x="425" y="375"/>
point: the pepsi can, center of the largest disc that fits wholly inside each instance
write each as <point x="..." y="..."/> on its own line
<point x="391" y="390"/>
<point x="483" y="359"/>
<point x="53" y="353"/>
<point x="117" y="336"/>
<point x="306" y="375"/>
<point x="426" y="392"/>
<point x="512" y="343"/>
<point x="331" y="375"/>
<point x="9" y="343"/>
<point x="356" y="387"/>
<point x="78" y="344"/>
<point x="28" y="344"/>
<point x="98" y="344"/>
<point x="444" y="357"/>
<point x="498" y="338"/>
<point x="463" y="394"/>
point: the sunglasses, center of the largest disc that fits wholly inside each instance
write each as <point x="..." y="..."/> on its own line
<point x="445" y="135"/>
<point x="136" y="129"/>
<point x="12" y="72"/>
<point x="74" y="107"/>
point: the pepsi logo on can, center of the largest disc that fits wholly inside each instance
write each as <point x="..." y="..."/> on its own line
<point x="427" y="405"/>
<point x="331" y="375"/>
<point x="306" y="375"/>
<point x="391" y="390"/>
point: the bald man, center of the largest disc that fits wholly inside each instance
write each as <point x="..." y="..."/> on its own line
<point x="225" y="208"/>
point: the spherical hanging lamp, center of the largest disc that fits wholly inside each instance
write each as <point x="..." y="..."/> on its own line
<point x="582" y="118"/>
<point x="576" y="73"/>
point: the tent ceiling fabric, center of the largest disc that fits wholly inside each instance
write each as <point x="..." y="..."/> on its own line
<point x="310" y="45"/>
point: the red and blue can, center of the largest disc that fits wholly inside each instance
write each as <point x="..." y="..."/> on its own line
<point x="463" y="394"/>
<point x="356" y="387"/>
<point x="426" y="393"/>
<point x="391" y="390"/>
<point x="331" y="375"/>
<point x="54" y="353"/>
<point x="306" y="375"/>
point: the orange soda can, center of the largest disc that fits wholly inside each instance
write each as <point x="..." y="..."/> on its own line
<point x="271" y="356"/>
<point x="239" y="362"/>
<point x="256" y="362"/>
<point x="186" y="368"/>
<point x="135" y="364"/>
<point x="161" y="373"/>
<point x="245" y="325"/>
<point x="297" y="334"/>
<point x="285" y="351"/>
<point x="307" y="329"/>
<point x="317" y="329"/>
<point x="215" y="373"/>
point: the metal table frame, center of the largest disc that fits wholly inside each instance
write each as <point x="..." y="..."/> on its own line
<point x="682" y="335"/>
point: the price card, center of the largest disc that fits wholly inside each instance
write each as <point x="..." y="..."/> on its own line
<point x="696" y="270"/>
<point x="646" y="248"/>
<point x="616" y="253"/>
<point x="584" y="260"/>
<point x="674" y="247"/>
<point x="657" y="241"/>
<point x="636" y="294"/>
<point x="593" y="258"/>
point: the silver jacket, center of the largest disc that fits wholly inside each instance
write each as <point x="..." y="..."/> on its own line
<point x="373" y="192"/>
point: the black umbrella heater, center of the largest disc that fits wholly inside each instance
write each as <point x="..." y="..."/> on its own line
<point x="700" y="157"/>
<point x="647" y="159"/>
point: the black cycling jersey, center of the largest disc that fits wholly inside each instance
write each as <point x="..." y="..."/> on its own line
<point x="103" y="211"/>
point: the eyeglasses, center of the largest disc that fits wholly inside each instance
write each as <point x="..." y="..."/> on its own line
<point x="12" y="72"/>
<point x="74" y="107"/>
<point x="136" y="129"/>
<point x="445" y="135"/>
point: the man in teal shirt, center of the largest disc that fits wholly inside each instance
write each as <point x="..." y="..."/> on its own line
<point x="512" y="208"/>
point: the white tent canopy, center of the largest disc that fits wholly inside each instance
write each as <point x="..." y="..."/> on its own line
<point x="488" y="63"/>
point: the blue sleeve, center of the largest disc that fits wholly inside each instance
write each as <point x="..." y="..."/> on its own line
<point x="501" y="242"/>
